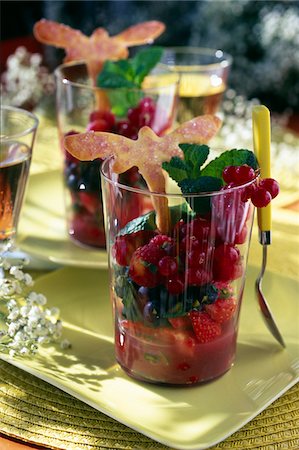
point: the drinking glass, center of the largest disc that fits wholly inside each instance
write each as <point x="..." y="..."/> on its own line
<point x="81" y="107"/>
<point x="203" y="78"/>
<point x="176" y="296"/>
<point x="18" y="130"/>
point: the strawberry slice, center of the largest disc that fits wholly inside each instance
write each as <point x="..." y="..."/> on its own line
<point x="222" y="310"/>
<point x="204" y="327"/>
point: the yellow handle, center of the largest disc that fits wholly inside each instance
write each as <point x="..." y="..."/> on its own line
<point x="261" y="124"/>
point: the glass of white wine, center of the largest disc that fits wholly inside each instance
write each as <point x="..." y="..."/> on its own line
<point x="203" y="78"/>
<point x="17" y="134"/>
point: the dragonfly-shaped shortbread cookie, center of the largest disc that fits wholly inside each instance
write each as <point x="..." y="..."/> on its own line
<point x="147" y="153"/>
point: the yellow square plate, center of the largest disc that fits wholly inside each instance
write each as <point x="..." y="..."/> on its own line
<point x="42" y="231"/>
<point x="184" y="418"/>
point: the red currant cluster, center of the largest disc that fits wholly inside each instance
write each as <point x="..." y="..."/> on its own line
<point x="143" y="114"/>
<point x="261" y="194"/>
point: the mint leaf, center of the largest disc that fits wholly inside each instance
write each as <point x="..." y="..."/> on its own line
<point x="194" y="155"/>
<point x="233" y="157"/>
<point x="147" y="221"/>
<point x="129" y="73"/>
<point x="124" y="288"/>
<point x="201" y="184"/>
<point x="200" y="205"/>
<point x="144" y="61"/>
<point x="176" y="168"/>
<point x="125" y="77"/>
<point x="123" y="99"/>
<point x="117" y="74"/>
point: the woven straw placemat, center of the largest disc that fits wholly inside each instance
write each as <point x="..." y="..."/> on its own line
<point x="37" y="412"/>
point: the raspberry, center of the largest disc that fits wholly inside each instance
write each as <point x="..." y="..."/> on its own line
<point x="222" y="310"/>
<point x="124" y="246"/>
<point x="270" y="185"/>
<point x="161" y="240"/>
<point x="205" y="328"/>
<point x="168" y="266"/>
<point x="143" y="267"/>
<point x="261" y="197"/>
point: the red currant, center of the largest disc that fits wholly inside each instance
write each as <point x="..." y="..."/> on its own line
<point x="261" y="197"/>
<point x="270" y="185"/>
<point x="227" y="265"/>
<point x="229" y="174"/>
<point x="125" y="128"/>
<point x="197" y="277"/>
<point x="175" y="285"/>
<point x="168" y="266"/>
<point x="98" y="125"/>
<point x="238" y="175"/>
<point x="244" y="174"/>
<point x="108" y="116"/>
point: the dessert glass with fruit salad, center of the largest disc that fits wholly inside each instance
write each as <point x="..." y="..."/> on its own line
<point x="177" y="269"/>
<point x="100" y="61"/>
<point x="84" y="107"/>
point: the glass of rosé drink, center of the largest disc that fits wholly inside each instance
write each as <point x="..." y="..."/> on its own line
<point x="177" y="293"/>
<point x="203" y="78"/>
<point x="18" y="130"/>
<point x="83" y="107"/>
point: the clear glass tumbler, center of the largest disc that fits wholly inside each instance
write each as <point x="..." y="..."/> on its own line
<point x="176" y="296"/>
<point x="18" y="130"/>
<point x="203" y="78"/>
<point x="82" y="107"/>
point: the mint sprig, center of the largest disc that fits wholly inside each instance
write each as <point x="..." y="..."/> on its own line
<point x="126" y="75"/>
<point x="235" y="157"/>
<point x="192" y="178"/>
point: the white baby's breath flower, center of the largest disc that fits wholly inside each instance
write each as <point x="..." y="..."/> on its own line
<point x="14" y="314"/>
<point x="26" y="325"/>
<point x="28" y="280"/>
<point x="17" y="273"/>
<point x="41" y="299"/>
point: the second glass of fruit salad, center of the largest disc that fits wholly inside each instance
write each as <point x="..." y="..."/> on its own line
<point x="177" y="294"/>
<point x="83" y="107"/>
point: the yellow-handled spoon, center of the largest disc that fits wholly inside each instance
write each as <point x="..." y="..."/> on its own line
<point x="262" y="148"/>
